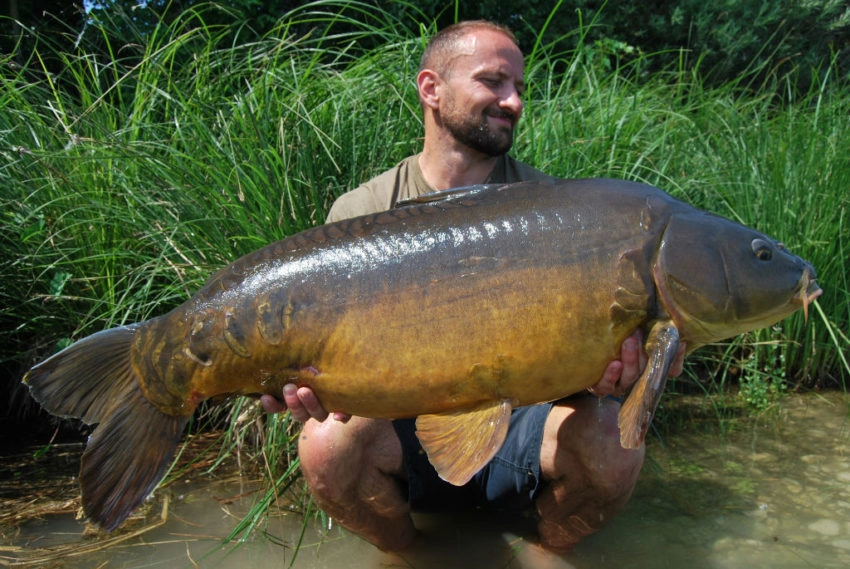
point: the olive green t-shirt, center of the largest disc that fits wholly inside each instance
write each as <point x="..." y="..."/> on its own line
<point x="405" y="181"/>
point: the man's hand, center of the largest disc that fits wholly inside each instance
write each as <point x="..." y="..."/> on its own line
<point x="302" y="404"/>
<point x="621" y="374"/>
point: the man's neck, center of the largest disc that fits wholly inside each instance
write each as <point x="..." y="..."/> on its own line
<point x="453" y="168"/>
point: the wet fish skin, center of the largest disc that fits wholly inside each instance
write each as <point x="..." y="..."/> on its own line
<point x="454" y="308"/>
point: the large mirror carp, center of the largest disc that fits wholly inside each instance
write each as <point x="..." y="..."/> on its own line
<point x="454" y="309"/>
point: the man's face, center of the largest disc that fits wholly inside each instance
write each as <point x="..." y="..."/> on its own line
<point x="481" y="102"/>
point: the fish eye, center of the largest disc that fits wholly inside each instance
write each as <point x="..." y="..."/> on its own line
<point x="762" y="250"/>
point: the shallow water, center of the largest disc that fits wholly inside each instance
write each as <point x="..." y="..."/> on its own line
<point x="771" y="493"/>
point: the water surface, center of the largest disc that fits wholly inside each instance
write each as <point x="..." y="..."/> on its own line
<point x="770" y="492"/>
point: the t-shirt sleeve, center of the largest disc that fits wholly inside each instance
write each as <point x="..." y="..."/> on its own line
<point x="359" y="201"/>
<point x="376" y="195"/>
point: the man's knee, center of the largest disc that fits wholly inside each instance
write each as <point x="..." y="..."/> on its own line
<point x="619" y="467"/>
<point x="587" y="446"/>
<point x="336" y="457"/>
<point x="326" y="453"/>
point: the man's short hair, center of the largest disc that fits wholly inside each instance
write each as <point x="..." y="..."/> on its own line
<point x="444" y="45"/>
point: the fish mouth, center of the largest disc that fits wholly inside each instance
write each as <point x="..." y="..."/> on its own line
<point x="809" y="291"/>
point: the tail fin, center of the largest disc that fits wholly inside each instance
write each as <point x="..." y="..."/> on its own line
<point x="134" y="442"/>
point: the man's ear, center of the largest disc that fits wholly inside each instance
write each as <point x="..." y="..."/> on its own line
<point x="428" y="82"/>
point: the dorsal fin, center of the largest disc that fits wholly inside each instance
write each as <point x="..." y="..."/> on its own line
<point x="446" y="195"/>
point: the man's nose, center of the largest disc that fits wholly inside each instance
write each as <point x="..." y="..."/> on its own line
<point x="512" y="102"/>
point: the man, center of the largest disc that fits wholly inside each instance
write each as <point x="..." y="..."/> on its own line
<point x="563" y="458"/>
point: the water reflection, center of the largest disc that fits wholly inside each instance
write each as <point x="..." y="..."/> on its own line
<point x="772" y="493"/>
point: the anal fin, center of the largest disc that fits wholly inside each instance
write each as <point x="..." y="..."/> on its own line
<point x="461" y="443"/>
<point x="637" y="411"/>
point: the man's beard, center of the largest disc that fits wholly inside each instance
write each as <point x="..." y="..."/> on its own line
<point x="476" y="132"/>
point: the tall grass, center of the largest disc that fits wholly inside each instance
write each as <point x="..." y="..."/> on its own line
<point x="128" y="180"/>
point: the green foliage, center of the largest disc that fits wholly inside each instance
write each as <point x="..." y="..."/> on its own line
<point x="759" y="41"/>
<point x="763" y="381"/>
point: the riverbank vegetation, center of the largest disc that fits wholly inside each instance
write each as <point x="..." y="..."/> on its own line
<point x="137" y="161"/>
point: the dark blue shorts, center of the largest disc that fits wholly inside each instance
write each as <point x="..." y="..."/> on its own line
<point x="511" y="481"/>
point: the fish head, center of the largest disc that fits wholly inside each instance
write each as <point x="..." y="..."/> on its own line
<point x="717" y="278"/>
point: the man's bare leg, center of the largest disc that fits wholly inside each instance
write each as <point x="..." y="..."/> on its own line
<point x="353" y="470"/>
<point x="589" y="476"/>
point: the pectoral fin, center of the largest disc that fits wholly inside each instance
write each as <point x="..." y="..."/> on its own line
<point x="636" y="414"/>
<point x="459" y="444"/>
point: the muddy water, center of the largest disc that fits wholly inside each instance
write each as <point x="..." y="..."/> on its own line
<point x="773" y="492"/>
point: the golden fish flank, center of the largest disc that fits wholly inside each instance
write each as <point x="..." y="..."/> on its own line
<point x="453" y="308"/>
